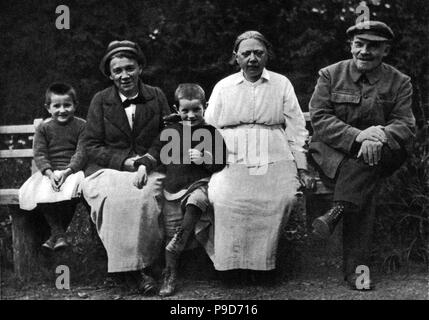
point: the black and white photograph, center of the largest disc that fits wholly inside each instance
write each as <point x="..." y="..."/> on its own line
<point x="214" y="157"/>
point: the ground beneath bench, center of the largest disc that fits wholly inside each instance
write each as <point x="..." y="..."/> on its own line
<point x="328" y="286"/>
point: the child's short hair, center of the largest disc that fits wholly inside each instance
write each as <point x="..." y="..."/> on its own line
<point x="60" y="88"/>
<point x="190" y="91"/>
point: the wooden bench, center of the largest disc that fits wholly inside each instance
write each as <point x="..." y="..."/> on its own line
<point x="321" y="189"/>
<point x="10" y="196"/>
<point x="27" y="229"/>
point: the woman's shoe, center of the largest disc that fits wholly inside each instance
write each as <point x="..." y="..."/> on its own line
<point x="49" y="244"/>
<point x="61" y="243"/>
<point x="168" y="282"/>
<point x="147" y="285"/>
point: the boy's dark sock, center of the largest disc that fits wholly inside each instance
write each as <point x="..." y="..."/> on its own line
<point x="68" y="208"/>
<point x="54" y="221"/>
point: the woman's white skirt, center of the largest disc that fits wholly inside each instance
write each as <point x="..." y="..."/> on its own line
<point x="250" y="207"/>
<point x="38" y="189"/>
<point x="128" y="220"/>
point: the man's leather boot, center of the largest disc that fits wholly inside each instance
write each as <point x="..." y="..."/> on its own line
<point x="324" y="226"/>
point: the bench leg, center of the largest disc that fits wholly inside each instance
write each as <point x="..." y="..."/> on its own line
<point x="27" y="233"/>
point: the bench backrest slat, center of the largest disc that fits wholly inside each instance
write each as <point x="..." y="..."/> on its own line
<point x="10" y="196"/>
<point x="25" y="128"/>
<point x="16" y="153"/>
<point x="30" y="129"/>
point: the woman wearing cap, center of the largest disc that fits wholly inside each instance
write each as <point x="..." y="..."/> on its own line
<point x="264" y="129"/>
<point x="122" y="122"/>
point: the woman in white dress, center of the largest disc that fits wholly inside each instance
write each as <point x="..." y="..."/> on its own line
<point x="259" y="116"/>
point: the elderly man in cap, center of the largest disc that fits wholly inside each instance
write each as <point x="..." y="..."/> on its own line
<point x="123" y="121"/>
<point x="362" y="119"/>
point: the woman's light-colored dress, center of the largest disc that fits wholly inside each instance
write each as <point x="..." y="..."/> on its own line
<point x="264" y="130"/>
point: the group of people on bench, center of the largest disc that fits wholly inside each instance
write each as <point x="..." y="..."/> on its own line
<point x="224" y="172"/>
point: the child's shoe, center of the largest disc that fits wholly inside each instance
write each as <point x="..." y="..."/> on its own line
<point x="49" y="244"/>
<point x="168" y="282"/>
<point x="61" y="243"/>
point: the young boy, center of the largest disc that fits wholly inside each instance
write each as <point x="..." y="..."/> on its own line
<point x="194" y="152"/>
<point x="59" y="155"/>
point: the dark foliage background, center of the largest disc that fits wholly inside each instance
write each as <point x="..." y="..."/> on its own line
<point x="191" y="41"/>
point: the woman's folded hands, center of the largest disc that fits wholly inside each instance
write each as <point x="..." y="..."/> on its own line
<point x="140" y="179"/>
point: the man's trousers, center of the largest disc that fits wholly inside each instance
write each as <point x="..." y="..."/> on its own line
<point x="357" y="184"/>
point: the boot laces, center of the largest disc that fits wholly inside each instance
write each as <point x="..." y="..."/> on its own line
<point x="338" y="210"/>
<point x="176" y="240"/>
<point x="168" y="275"/>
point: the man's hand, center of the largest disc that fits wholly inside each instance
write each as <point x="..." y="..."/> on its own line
<point x="306" y="180"/>
<point x="374" y="133"/>
<point x="196" y="156"/>
<point x="141" y="177"/>
<point x="129" y="164"/>
<point x="371" y="152"/>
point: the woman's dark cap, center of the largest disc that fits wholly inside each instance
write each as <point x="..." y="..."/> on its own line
<point x="121" y="46"/>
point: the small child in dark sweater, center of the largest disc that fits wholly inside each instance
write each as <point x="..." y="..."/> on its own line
<point x="60" y="156"/>
<point x="191" y="152"/>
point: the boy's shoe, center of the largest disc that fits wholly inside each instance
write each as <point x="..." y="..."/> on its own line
<point x="49" y="244"/>
<point x="60" y="243"/>
<point x="168" y="282"/>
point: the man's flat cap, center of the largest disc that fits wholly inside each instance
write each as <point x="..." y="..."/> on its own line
<point x="371" y="30"/>
<point x="118" y="46"/>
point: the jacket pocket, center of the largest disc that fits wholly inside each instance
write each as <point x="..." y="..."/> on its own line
<point x="343" y="97"/>
<point x="343" y="102"/>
